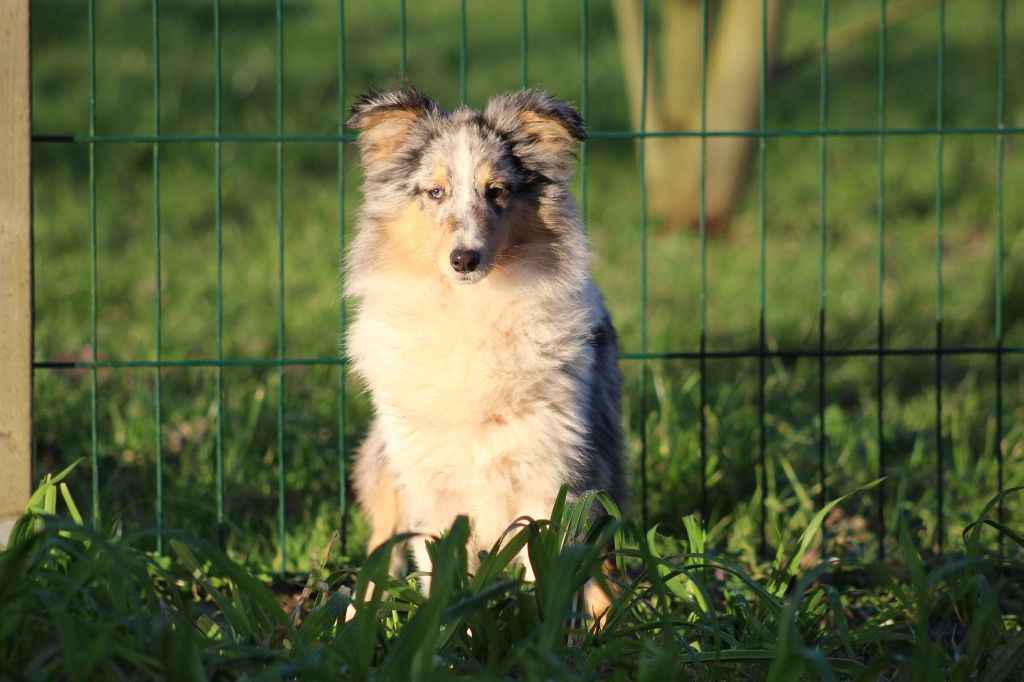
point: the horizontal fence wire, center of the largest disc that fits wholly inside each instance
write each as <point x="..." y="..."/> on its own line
<point x="92" y="138"/>
<point x="652" y="355"/>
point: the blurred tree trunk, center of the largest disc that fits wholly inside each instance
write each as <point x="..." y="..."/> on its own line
<point x="674" y="101"/>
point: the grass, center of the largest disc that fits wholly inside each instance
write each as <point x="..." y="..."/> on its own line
<point x="106" y="609"/>
<point x="324" y="413"/>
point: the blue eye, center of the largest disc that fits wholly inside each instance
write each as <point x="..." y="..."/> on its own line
<point x="435" y="193"/>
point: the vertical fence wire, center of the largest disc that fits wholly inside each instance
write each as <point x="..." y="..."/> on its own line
<point x="939" y="145"/>
<point x="644" y="368"/>
<point x="703" y="222"/>
<point x="158" y="302"/>
<point x="584" y="98"/>
<point x="279" y="44"/>
<point x="463" y="52"/>
<point x="1000" y="153"/>
<point x="883" y="466"/>
<point x="524" y="46"/>
<point x="822" y="245"/>
<point x="342" y="441"/>
<point x="402" y="42"/>
<point x="1000" y="108"/>
<point x="218" y="235"/>
<point x="93" y="275"/>
<point x="762" y="274"/>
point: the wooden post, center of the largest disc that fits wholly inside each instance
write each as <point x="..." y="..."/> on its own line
<point x="15" y="265"/>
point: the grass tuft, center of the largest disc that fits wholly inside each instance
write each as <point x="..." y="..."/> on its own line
<point x="79" y="603"/>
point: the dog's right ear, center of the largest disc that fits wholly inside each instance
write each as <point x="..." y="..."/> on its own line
<point x="386" y="117"/>
<point x="542" y="130"/>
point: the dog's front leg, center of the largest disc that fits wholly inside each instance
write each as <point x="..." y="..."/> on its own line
<point x="423" y="563"/>
<point x="534" y="506"/>
<point x="595" y="602"/>
<point x="378" y="496"/>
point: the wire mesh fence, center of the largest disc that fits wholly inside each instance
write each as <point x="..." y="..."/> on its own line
<point x="759" y="353"/>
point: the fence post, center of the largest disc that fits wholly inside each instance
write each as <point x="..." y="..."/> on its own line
<point x="15" y="265"/>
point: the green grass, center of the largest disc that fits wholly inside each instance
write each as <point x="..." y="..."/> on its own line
<point x="319" y="432"/>
<point x="80" y="604"/>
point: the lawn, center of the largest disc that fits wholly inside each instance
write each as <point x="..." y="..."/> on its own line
<point x="206" y="307"/>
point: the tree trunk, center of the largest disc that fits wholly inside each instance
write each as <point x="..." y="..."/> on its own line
<point x="733" y="103"/>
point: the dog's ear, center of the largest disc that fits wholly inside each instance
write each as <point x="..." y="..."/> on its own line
<point x="386" y="117"/>
<point x="543" y="131"/>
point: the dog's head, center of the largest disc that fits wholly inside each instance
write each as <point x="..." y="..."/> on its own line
<point x="464" y="191"/>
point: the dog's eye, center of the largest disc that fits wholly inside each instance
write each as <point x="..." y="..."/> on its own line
<point x="435" y="193"/>
<point x="495" y="193"/>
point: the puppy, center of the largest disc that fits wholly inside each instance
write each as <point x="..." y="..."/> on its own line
<point x="484" y="344"/>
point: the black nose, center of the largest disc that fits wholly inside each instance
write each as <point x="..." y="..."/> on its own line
<point x="464" y="261"/>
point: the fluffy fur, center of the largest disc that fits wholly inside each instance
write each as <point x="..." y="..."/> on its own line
<point x="491" y="387"/>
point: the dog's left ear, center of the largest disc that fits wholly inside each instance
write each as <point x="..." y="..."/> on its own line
<point x="386" y="118"/>
<point x="543" y="131"/>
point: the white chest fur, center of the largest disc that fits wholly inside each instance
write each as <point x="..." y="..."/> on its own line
<point x="478" y="392"/>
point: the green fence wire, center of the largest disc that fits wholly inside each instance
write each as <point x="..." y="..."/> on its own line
<point x="883" y="48"/>
<point x="762" y="281"/>
<point x="940" y="474"/>
<point x="279" y="59"/>
<point x="342" y="444"/>
<point x="1000" y="161"/>
<point x="157" y="295"/>
<point x="642" y="165"/>
<point x="822" y="353"/>
<point x="822" y="241"/>
<point x="218" y="226"/>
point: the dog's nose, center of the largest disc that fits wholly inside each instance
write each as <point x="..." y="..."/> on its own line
<point x="464" y="261"/>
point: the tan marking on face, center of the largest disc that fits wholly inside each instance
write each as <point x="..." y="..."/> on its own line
<point x="485" y="177"/>
<point x="411" y="241"/>
<point x="526" y="241"/>
<point x="526" y="226"/>
<point x="529" y="239"/>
